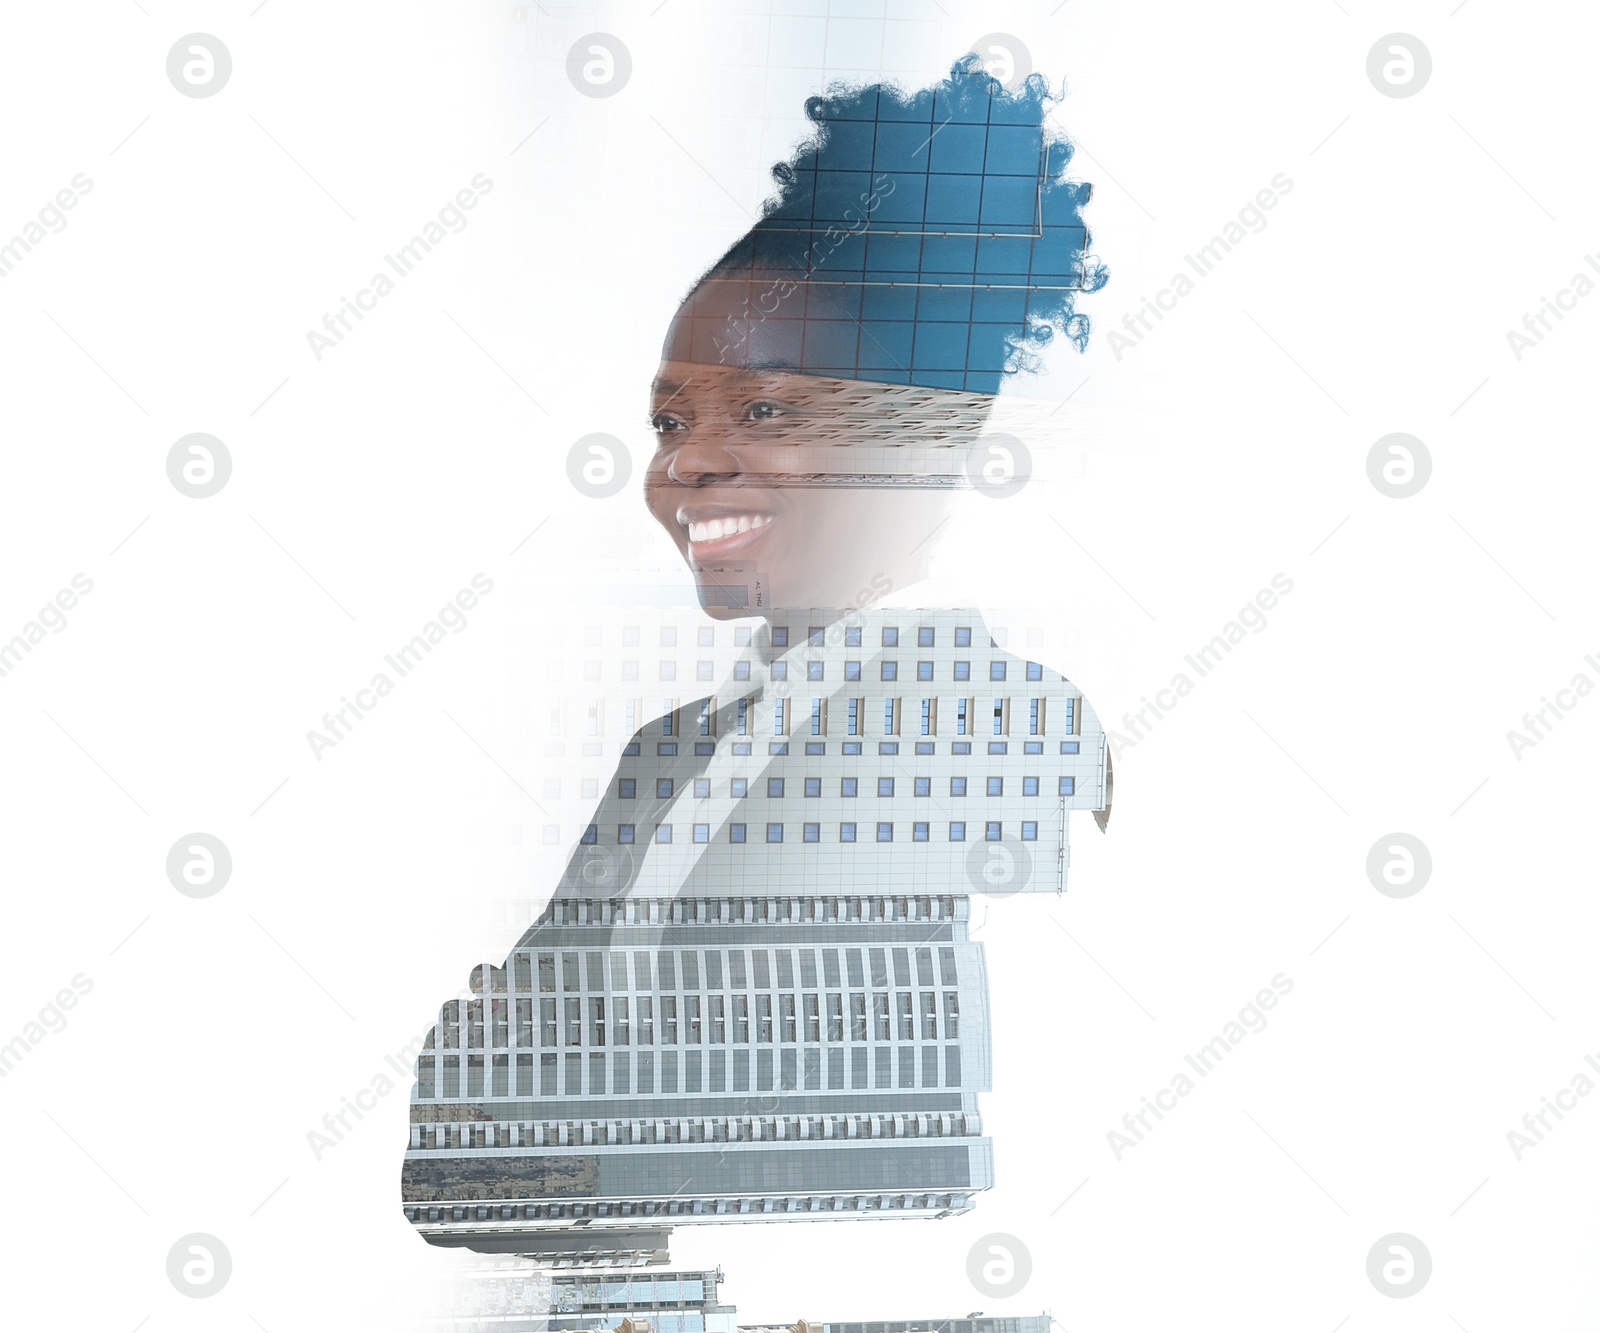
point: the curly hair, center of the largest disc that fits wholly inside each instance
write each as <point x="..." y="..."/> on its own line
<point x="932" y="237"/>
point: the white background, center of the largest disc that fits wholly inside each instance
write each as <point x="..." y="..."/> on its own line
<point x="1229" y="446"/>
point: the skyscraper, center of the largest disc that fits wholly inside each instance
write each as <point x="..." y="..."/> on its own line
<point x="643" y="1062"/>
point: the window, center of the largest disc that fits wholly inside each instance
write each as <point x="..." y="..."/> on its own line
<point x="1030" y="786"/>
<point x="705" y="709"/>
<point x="774" y="832"/>
<point x="702" y="787"/>
<point x="963" y="671"/>
<point x="590" y="836"/>
<point x="741" y="1019"/>
<point x="919" y="833"/>
<point x="885" y="786"/>
<point x="719" y="1019"/>
<point x="780" y="717"/>
<point x="852" y="637"/>
<point x="927" y="717"/>
<point x="1035" y="671"/>
<point x="997" y="787"/>
<point x="627" y="788"/>
<point x="885" y="832"/>
<point x="813" y="1020"/>
<point x="1069" y="707"/>
<point x="922" y="786"/>
<point x="741" y="786"/>
<point x="624" y="833"/>
<point x="890" y="726"/>
<point x="853" y="717"/>
<point x="814" y="636"/>
<point x="813" y="832"/>
<point x="816" y="717"/>
<point x="706" y="636"/>
<point x="702" y="832"/>
<point x="908" y="1030"/>
<point x="847" y="832"/>
<point x="789" y="1033"/>
<point x="997" y="670"/>
<point x="780" y="671"/>
<point x="924" y="670"/>
<point x="991" y="831"/>
<point x="813" y="670"/>
<point x="952" y="1015"/>
<point x="774" y="787"/>
<point x="961" y="717"/>
<point x="741" y="671"/>
<point x="666" y="720"/>
<point x="692" y="1005"/>
<point x="958" y="786"/>
<point x="852" y="670"/>
<point x="891" y="637"/>
<point x="669" y="1020"/>
<point x="813" y="786"/>
<point x="835" y="1018"/>
<point x="999" y="717"/>
<point x="735" y="832"/>
<point x="780" y="636"/>
<point x="925" y="636"/>
<point x="958" y="832"/>
<point x="847" y="786"/>
<point x="1030" y="830"/>
<point x="663" y="788"/>
<point x="1067" y="785"/>
<point x="1069" y="747"/>
<point x="744" y="715"/>
<point x="663" y="832"/>
<point x="889" y="671"/>
<point x="963" y="638"/>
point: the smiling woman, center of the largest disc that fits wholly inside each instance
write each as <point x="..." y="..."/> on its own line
<point x="798" y="847"/>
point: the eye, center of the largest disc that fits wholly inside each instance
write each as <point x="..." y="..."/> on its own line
<point x="664" y="423"/>
<point x="764" y="409"/>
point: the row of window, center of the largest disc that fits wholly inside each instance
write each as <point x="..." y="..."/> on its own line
<point x="607" y="971"/>
<point x="717" y="1019"/>
<point x="642" y="1073"/>
<point x="627" y="834"/>
<point x="816" y="635"/>
<point x="888" y="669"/>
<point x="628" y="788"/>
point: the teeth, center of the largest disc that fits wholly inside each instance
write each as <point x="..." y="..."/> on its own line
<point x="713" y="529"/>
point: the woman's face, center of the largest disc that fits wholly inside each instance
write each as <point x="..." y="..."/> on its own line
<point x="802" y="490"/>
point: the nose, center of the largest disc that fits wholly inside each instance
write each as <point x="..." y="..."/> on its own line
<point x="702" y="462"/>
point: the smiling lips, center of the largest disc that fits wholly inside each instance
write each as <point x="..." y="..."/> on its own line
<point x="724" y="533"/>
